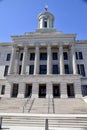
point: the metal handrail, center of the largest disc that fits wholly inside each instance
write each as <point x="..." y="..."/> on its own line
<point x="26" y="103"/>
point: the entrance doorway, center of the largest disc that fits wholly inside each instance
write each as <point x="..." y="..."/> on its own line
<point x="28" y="90"/>
<point x="42" y="90"/>
<point x="70" y="91"/>
<point x="56" y="90"/>
<point x="15" y="90"/>
<point x="84" y="90"/>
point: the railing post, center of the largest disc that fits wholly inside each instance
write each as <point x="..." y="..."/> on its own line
<point x="0" y="122"/>
<point x="46" y="124"/>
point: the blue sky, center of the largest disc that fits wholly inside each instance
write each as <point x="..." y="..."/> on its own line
<point x="20" y="16"/>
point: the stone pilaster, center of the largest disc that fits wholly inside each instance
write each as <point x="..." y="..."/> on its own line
<point x="77" y="89"/>
<point x="11" y="66"/>
<point x="49" y="60"/>
<point x="49" y="90"/>
<point x="21" y="90"/>
<point x="35" y="90"/>
<point x="0" y="88"/>
<point x="8" y="90"/>
<point x="36" y="63"/>
<point x="63" y="89"/>
<point x="74" y="65"/>
<point x="61" y="60"/>
<point x="23" y="70"/>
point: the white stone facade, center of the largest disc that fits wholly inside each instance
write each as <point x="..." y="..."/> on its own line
<point x="44" y="63"/>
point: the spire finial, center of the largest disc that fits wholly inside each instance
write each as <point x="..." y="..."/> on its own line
<point x="46" y="7"/>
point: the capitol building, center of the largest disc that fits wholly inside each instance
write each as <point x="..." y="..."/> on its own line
<point x="44" y="72"/>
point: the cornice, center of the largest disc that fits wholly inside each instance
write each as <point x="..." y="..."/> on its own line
<point x="43" y="35"/>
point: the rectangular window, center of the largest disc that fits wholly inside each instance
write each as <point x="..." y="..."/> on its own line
<point x="54" y="56"/>
<point x="3" y="90"/>
<point x="66" y="69"/>
<point x="31" y="70"/>
<point x="79" y="55"/>
<point x="21" y="56"/>
<point x="65" y="55"/>
<point x="81" y="69"/>
<point x="32" y="56"/>
<point x="43" y="56"/>
<point x="8" y="57"/>
<point x="43" y="69"/>
<point x="6" y="70"/>
<point x="84" y="90"/>
<point x="55" y="69"/>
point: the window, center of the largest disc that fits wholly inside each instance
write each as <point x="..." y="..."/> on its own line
<point x="84" y="90"/>
<point x="8" y="57"/>
<point x="21" y="56"/>
<point x="43" y="56"/>
<point x="65" y="55"/>
<point x="43" y="69"/>
<point x="31" y="70"/>
<point x="32" y="56"/>
<point x="81" y="69"/>
<point x="66" y="69"/>
<point x="3" y="90"/>
<point x="79" y="55"/>
<point x="55" y="69"/>
<point x="45" y="22"/>
<point x="20" y="69"/>
<point x="55" y="56"/>
<point x="6" y="70"/>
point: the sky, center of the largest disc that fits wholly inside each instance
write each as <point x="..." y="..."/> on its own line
<point x="20" y="16"/>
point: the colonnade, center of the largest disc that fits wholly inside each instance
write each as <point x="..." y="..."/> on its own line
<point x="37" y="60"/>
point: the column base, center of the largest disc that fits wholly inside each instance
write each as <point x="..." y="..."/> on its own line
<point x="20" y="96"/>
<point x="34" y="96"/>
<point x="64" y="96"/>
<point x="49" y="96"/>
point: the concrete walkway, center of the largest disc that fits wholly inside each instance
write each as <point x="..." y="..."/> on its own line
<point x="37" y="128"/>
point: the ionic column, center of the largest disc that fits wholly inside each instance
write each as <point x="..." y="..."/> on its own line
<point x="61" y="60"/>
<point x="23" y="70"/>
<point x="36" y="63"/>
<point x="74" y="65"/>
<point x="16" y="63"/>
<point x="11" y="66"/>
<point x="49" y="60"/>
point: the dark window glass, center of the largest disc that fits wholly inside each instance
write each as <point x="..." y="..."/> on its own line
<point x="80" y="56"/>
<point x="3" y="90"/>
<point x="43" y="69"/>
<point x="8" y="57"/>
<point x="66" y="69"/>
<point x="84" y="90"/>
<point x="45" y="23"/>
<point x="21" y="57"/>
<point x="78" y="68"/>
<point x="76" y="55"/>
<point x="20" y="69"/>
<point x="55" y="69"/>
<point x="65" y="55"/>
<point x="31" y="70"/>
<point x="32" y="56"/>
<point x="55" y="56"/>
<point x="82" y="70"/>
<point x="6" y="70"/>
<point x="43" y="56"/>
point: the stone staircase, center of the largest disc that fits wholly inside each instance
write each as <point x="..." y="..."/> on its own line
<point x="55" y="121"/>
<point x="14" y="105"/>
